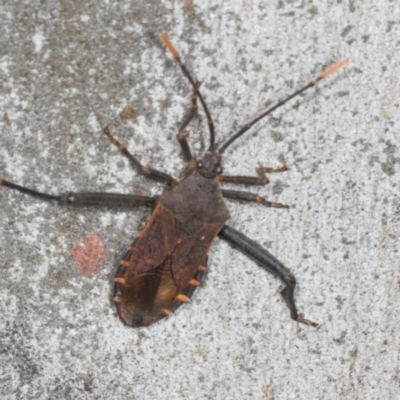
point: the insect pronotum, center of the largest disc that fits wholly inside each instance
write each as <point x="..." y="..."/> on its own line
<point x="166" y="262"/>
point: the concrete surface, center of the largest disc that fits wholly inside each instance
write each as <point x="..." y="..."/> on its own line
<point x="63" y="62"/>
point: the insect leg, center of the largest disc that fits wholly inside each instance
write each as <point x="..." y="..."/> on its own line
<point x="181" y="134"/>
<point x="253" y="250"/>
<point x="86" y="198"/>
<point x="252" y="197"/>
<point x="261" y="179"/>
<point x="146" y="171"/>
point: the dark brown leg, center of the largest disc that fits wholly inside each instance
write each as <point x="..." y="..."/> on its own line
<point x="253" y="250"/>
<point x="86" y="199"/>
<point x="146" y="171"/>
<point x="181" y="134"/>
<point x="260" y="180"/>
<point x="252" y="197"/>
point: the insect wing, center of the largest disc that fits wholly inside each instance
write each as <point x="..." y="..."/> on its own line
<point x="162" y="268"/>
<point x="143" y="283"/>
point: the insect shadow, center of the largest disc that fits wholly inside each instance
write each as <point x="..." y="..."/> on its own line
<point x="166" y="262"/>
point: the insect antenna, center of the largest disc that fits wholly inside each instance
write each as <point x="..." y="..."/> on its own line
<point x="175" y="55"/>
<point x="246" y="127"/>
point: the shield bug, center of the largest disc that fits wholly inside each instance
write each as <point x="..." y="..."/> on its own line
<point x="166" y="262"/>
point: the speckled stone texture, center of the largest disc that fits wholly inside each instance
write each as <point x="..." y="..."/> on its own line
<point x="62" y="63"/>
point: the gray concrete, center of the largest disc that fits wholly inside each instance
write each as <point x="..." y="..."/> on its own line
<point x="63" y="62"/>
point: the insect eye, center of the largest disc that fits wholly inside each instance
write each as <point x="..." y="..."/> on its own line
<point x="219" y="170"/>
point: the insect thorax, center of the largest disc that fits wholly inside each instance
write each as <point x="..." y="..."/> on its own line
<point x="197" y="199"/>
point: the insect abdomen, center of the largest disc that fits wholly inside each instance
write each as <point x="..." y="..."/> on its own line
<point x="162" y="268"/>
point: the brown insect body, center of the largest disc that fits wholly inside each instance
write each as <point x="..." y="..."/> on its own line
<point x="166" y="262"/>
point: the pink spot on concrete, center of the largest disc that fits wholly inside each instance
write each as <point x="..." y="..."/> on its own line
<point x="89" y="255"/>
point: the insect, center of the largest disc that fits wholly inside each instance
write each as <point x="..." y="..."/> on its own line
<point x="166" y="262"/>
